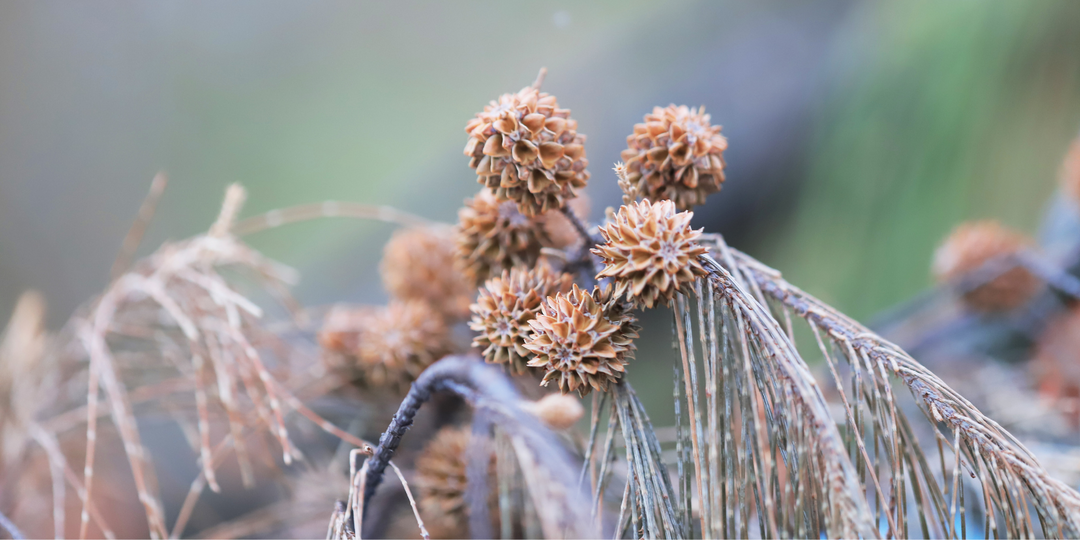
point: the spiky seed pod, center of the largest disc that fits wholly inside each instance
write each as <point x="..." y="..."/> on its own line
<point x="527" y="150"/>
<point x="341" y="328"/>
<point x="504" y="308"/>
<point x="399" y="341"/>
<point x="312" y="494"/>
<point x="973" y="244"/>
<point x="582" y="340"/>
<point x="441" y="482"/>
<point x="1070" y="171"/>
<point x="676" y="154"/>
<point x="650" y="252"/>
<point x="419" y="264"/>
<point x="1056" y="366"/>
<point x="494" y="236"/>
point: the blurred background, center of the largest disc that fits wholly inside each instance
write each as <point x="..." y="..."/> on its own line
<point x="860" y="133"/>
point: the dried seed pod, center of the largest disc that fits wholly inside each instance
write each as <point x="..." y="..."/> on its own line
<point x="504" y="308"/>
<point x="650" y="252"/>
<point x="399" y="341"/>
<point x="441" y="483"/>
<point x="676" y="154"/>
<point x="419" y="264"/>
<point x="494" y="236"/>
<point x="341" y="328"/>
<point x="1056" y="366"/>
<point x="582" y="340"/>
<point x="973" y="244"/>
<point x="526" y="149"/>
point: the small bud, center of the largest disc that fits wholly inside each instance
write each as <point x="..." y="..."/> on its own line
<point x="557" y="411"/>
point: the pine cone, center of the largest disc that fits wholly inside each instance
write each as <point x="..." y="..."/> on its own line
<point x="676" y="154"/>
<point x="504" y="308"/>
<point x="973" y="244"/>
<point x="582" y="339"/>
<point x="399" y="341"/>
<point x="1056" y="366"/>
<point x="341" y="328"/>
<point x="419" y="264"/>
<point x="650" y="252"/>
<point x="526" y="149"/>
<point x="494" y="236"/>
<point x="441" y="482"/>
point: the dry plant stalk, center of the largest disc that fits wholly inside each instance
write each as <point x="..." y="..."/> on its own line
<point x="207" y="321"/>
<point x="758" y="451"/>
<point x="545" y="467"/>
<point x="906" y="491"/>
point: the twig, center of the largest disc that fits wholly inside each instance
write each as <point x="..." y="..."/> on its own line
<point x="412" y="502"/>
<point x="10" y="527"/>
<point x="488" y="388"/>
<point x="579" y="226"/>
<point x="327" y="209"/>
<point x="235" y="195"/>
<point x="48" y="442"/>
<point x="138" y="228"/>
<point x="540" y="78"/>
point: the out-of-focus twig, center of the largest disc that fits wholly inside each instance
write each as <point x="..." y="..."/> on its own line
<point x="138" y="228"/>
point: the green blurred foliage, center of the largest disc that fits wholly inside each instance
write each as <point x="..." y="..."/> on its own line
<point x="938" y="113"/>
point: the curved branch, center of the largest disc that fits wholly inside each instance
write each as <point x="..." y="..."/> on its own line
<point x="326" y="209"/>
<point x="488" y="388"/>
<point x="986" y="437"/>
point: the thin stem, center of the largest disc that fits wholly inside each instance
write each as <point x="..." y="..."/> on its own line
<point x="10" y="527"/>
<point x="138" y="228"/>
<point x="326" y="209"/>
<point x="540" y="78"/>
<point x="579" y="225"/>
<point x="583" y="259"/>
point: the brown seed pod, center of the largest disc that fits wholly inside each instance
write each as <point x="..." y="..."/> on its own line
<point x="1056" y="366"/>
<point x="504" y="308"/>
<point x="494" y="236"/>
<point x="650" y="252"/>
<point x="441" y="482"/>
<point x="399" y="341"/>
<point x="582" y="340"/>
<point x="973" y="244"/>
<point x="341" y="328"/>
<point x="419" y="264"/>
<point x="527" y="150"/>
<point x="676" y="154"/>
